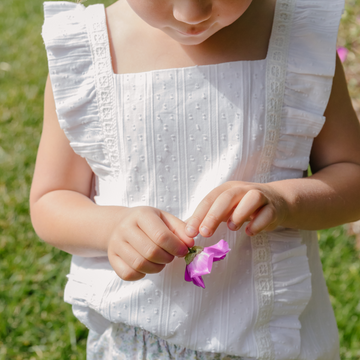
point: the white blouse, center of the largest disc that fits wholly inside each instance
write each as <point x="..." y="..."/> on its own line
<point x="165" y="139"/>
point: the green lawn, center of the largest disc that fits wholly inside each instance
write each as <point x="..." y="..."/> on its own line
<point x="34" y="321"/>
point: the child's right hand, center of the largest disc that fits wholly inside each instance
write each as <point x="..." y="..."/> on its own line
<point x="138" y="240"/>
<point x="144" y="241"/>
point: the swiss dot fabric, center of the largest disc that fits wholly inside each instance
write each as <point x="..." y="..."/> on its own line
<point x="166" y="139"/>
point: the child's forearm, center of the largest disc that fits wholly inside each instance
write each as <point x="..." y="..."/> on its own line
<point x="328" y="198"/>
<point x="72" y="222"/>
<point x="138" y="240"/>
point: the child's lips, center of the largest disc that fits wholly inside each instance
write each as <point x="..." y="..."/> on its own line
<point x="192" y="32"/>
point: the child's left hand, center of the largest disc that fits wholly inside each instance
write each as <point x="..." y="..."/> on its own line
<point x="237" y="202"/>
<point x="327" y="198"/>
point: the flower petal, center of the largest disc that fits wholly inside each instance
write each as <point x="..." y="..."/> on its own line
<point x="198" y="281"/>
<point x="219" y="250"/>
<point x="187" y="276"/>
<point x="203" y="261"/>
<point x="219" y="258"/>
<point x="342" y="52"/>
<point x="201" y="265"/>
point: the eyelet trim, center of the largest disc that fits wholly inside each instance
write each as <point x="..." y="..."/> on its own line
<point x="275" y="90"/>
<point x="104" y="82"/>
<point x="275" y="84"/>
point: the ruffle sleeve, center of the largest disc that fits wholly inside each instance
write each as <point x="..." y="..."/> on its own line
<point x="302" y="57"/>
<point x="310" y="71"/>
<point x="82" y="82"/>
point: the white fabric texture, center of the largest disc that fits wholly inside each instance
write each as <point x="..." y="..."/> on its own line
<point x="165" y="139"/>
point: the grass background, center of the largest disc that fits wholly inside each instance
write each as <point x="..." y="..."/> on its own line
<point x="35" y="323"/>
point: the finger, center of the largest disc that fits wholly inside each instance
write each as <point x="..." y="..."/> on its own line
<point x="132" y="263"/>
<point x="265" y="220"/>
<point x="194" y="222"/>
<point x="147" y="248"/>
<point x="123" y="270"/>
<point x="177" y="227"/>
<point x="221" y="209"/>
<point x="158" y="231"/>
<point x="247" y="209"/>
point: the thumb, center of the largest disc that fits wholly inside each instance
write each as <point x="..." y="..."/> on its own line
<point x="177" y="226"/>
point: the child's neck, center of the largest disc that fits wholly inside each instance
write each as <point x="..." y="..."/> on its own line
<point x="138" y="47"/>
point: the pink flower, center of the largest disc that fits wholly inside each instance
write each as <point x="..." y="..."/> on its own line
<point x="342" y="52"/>
<point x="199" y="261"/>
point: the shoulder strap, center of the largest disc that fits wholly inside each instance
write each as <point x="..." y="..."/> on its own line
<point x="104" y="80"/>
<point x="276" y="68"/>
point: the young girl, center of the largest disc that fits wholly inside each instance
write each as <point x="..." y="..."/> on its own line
<point x="174" y="122"/>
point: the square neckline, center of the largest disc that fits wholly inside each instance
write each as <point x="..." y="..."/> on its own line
<point x="148" y="72"/>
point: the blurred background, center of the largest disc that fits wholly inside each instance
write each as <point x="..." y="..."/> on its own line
<point x="35" y="323"/>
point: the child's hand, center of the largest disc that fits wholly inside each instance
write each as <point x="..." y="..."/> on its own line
<point x="237" y="202"/>
<point x="144" y="241"/>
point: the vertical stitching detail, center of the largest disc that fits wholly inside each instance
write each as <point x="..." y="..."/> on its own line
<point x="261" y="252"/>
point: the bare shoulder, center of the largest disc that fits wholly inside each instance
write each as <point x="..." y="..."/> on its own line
<point x="339" y="140"/>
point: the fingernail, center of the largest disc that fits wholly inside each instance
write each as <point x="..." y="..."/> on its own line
<point x="205" y="231"/>
<point x="249" y="232"/>
<point x="192" y="232"/>
<point x="232" y="226"/>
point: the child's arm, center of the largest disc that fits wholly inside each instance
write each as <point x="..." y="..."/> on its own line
<point x="137" y="240"/>
<point x="331" y="196"/>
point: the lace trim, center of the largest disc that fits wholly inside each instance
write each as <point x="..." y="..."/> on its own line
<point x="264" y="288"/>
<point x="275" y="89"/>
<point x="275" y="84"/>
<point x="104" y="82"/>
